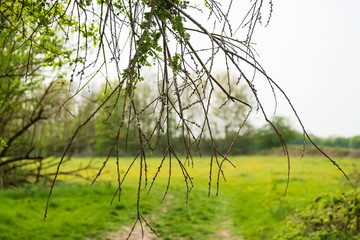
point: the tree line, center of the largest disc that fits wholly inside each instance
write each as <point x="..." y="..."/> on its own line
<point x="40" y="133"/>
<point x="34" y="128"/>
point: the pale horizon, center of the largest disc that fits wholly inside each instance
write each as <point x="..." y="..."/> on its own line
<point x="312" y="50"/>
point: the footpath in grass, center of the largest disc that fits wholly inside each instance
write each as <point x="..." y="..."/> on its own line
<point x="250" y="203"/>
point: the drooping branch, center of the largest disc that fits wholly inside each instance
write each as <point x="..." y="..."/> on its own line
<point x="131" y="37"/>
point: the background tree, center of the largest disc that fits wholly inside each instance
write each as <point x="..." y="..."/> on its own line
<point x="226" y="115"/>
<point x="355" y="142"/>
<point x="24" y="108"/>
<point x="30" y="92"/>
<point x="265" y="137"/>
<point x="106" y="121"/>
<point x="23" y="104"/>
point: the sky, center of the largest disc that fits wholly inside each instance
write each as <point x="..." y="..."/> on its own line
<point x="312" y="50"/>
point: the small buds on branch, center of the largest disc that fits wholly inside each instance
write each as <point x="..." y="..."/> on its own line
<point x="131" y="38"/>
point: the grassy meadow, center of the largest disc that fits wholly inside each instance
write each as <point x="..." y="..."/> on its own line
<point x="250" y="203"/>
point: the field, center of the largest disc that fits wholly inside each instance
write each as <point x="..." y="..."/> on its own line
<point x="250" y="204"/>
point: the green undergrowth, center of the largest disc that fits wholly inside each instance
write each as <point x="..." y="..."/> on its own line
<point x="250" y="203"/>
<point x="334" y="216"/>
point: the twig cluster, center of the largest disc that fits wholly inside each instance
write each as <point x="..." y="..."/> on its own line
<point x="163" y="33"/>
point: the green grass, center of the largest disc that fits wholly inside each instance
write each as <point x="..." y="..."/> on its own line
<point x="251" y="202"/>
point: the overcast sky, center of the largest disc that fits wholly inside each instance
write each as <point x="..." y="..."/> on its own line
<point x="312" y="49"/>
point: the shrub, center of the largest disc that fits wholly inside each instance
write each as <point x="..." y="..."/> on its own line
<point x="333" y="216"/>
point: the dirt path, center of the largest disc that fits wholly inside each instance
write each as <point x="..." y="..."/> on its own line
<point x="224" y="235"/>
<point x="148" y="235"/>
<point x="135" y="235"/>
<point x="138" y="232"/>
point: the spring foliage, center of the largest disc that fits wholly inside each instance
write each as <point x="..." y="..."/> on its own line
<point x="331" y="216"/>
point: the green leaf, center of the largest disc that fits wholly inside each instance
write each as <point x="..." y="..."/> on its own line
<point x="3" y="143"/>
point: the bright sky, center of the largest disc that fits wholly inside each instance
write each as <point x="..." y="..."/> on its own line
<point x="312" y="50"/>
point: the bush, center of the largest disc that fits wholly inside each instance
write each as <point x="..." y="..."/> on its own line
<point x="335" y="216"/>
